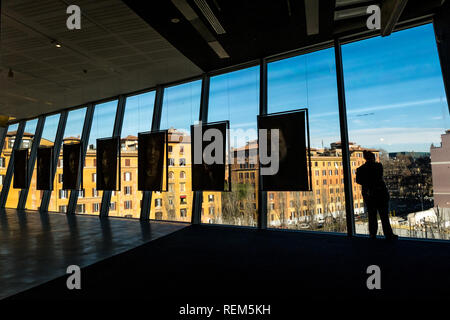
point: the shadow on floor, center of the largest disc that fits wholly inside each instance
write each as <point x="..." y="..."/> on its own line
<point x="216" y="264"/>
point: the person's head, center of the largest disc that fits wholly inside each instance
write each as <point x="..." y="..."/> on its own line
<point x="368" y="156"/>
<point x="105" y="160"/>
<point x="73" y="161"/>
<point x="152" y="158"/>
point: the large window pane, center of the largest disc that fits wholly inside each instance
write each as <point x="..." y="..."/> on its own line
<point x="309" y="81"/>
<point x="181" y="108"/>
<point x="27" y="141"/>
<point x="396" y="107"/>
<point x="89" y="199"/>
<point x="235" y="97"/>
<point x="47" y="140"/>
<point x="137" y="118"/>
<point x="6" y="152"/>
<point x="60" y="198"/>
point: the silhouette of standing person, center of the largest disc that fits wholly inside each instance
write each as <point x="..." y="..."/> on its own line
<point x="375" y="194"/>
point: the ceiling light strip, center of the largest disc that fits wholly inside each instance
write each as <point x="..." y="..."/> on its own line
<point x="209" y="15"/>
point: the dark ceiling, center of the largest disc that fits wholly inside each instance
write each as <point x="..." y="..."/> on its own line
<point x="257" y="29"/>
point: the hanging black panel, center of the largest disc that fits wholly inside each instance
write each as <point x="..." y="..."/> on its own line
<point x="208" y="176"/>
<point x="44" y="168"/>
<point x="20" y="168"/>
<point x="71" y="165"/>
<point x="152" y="148"/>
<point x="293" y="154"/>
<point x="108" y="150"/>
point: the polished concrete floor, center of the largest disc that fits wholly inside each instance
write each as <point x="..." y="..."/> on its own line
<point x="36" y="248"/>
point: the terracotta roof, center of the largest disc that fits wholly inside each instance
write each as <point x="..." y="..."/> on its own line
<point x="71" y="138"/>
<point x="13" y="133"/>
<point x="129" y="137"/>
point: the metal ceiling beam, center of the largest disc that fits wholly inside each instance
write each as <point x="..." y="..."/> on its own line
<point x="391" y="10"/>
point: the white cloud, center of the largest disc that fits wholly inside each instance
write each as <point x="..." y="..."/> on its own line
<point x="396" y="136"/>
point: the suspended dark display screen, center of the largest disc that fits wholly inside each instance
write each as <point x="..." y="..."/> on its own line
<point x="152" y="152"/>
<point x="72" y="166"/>
<point x="208" y="154"/>
<point x="108" y="153"/>
<point x="44" y="179"/>
<point x="20" y="168"/>
<point x="289" y="170"/>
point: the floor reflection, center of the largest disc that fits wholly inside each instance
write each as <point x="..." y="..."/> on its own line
<point x="35" y="248"/>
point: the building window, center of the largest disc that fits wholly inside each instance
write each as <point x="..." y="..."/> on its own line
<point x="181" y="149"/>
<point x="170" y="148"/>
<point x="182" y="187"/>
<point x="112" y="206"/>
<point x="81" y="208"/>
<point x="81" y="193"/>
<point x="272" y="206"/>
<point x="158" y="202"/>
<point x="182" y="175"/>
<point x="94" y="162"/>
<point x="127" y="176"/>
<point x="171" y="187"/>
<point x="95" y="207"/>
<point x="211" y="198"/>
<point x="182" y="162"/>
<point x="183" y="200"/>
<point x="171" y="175"/>
<point x="2" y="178"/>
<point x="171" y="162"/>
<point x="2" y="162"/>
<point x="158" y="215"/>
<point x="127" y="162"/>
<point x="128" y="205"/>
<point x="94" y="177"/>
<point x="63" y="193"/>
<point x="60" y="178"/>
<point x="271" y="196"/>
<point x="128" y="190"/>
<point x="94" y="192"/>
<point x="183" y="213"/>
<point x="211" y="210"/>
<point x="63" y="209"/>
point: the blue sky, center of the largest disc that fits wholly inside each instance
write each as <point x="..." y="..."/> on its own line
<point x="394" y="92"/>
